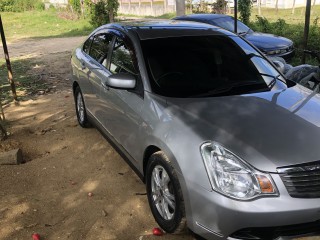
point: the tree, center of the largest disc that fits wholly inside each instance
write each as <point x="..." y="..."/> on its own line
<point x="220" y="6"/>
<point x="244" y="7"/>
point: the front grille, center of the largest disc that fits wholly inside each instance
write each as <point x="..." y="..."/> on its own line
<point x="302" y="181"/>
<point x="268" y="233"/>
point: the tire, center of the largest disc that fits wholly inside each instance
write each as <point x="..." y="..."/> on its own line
<point x="81" y="108"/>
<point x="165" y="195"/>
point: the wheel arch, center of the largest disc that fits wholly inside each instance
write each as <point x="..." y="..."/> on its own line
<point x="151" y="149"/>
<point x="75" y="84"/>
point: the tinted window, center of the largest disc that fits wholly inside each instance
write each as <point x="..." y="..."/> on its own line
<point x="228" y="23"/>
<point x="204" y="65"/>
<point x="86" y="45"/>
<point x="121" y="58"/>
<point x="99" y="47"/>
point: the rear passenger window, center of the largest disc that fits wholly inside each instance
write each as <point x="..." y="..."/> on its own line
<point x="121" y="58"/>
<point x="99" y="47"/>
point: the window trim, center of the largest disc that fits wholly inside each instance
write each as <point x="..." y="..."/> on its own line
<point x="139" y="89"/>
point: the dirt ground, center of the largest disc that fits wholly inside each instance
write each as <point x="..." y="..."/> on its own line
<point x="49" y="193"/>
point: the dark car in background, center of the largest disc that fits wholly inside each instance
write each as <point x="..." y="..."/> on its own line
<point x="269" y="44"/>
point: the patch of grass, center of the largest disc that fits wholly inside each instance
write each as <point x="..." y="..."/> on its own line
<point x="163" y="16"/>
<point x="38" y="24"/>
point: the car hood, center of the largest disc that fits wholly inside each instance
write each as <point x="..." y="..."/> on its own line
<point x="267" y="130"/>
<point x="265" y="41"/>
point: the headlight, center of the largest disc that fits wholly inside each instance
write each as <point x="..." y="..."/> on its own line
<point x="232" y="177"/>
<point x="273" y="52"/>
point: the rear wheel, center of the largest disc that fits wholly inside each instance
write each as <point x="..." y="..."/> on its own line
<point x="80" y="108"/>
<point x="164" y="194"/>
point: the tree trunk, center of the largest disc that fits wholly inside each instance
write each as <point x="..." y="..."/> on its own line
<point x="306" y="29"/>
<point x="111" y="16"/>
<point x="293" y="6"/>
<point x="259" y="7"/>
<point x="277" y="1"/>
<point x="180" y="7"/>
<point x="6" y="54"/>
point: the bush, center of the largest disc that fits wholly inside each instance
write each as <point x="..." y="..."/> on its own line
<point x="75" y="6"/>
<point x="39" y="6"/>
<point x="7" y="6"/>
<point x="219" y="6"/>
<point x="103" y="12"/>
<point x="244" y="7"/>
<point x="99" y="14"/>
<point x="21" y="5"/>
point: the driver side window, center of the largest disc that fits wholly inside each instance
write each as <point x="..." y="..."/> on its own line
<point x="121" y="58"/>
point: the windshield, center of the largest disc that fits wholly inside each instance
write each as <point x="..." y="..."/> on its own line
<point x="228" y="24"/>
<point x="200" y="66"/>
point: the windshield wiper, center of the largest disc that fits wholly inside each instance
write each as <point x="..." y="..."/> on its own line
<point x="228" y="88"/>
<point x="274" y="79"/>
<point x="244" y="33"/>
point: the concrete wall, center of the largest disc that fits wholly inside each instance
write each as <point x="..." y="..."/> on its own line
<point x="146" y="8"/>
<point x="286" y="3"/>
<point x="56" y="3"/>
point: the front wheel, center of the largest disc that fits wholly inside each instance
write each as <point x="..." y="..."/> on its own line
<point x="164" y="194"/>
<point x="81" y="109"/>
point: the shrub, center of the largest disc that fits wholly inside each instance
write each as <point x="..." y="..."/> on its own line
<point x="39" y="6"/>
<point x="75" y="6"/>
<point x="262" y="24"/>
<point x="21" y="5"/>
<point x="6" y="5"/>
<point x="103" y="12"/>
<point x="244" y="7"/>
<point x="99" y="14"/>
<point x="280" y="26"/>
<point x="219" y="6"/>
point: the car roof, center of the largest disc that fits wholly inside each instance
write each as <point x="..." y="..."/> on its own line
<point x="150" y="29"/>
<point x="202" y="16"/>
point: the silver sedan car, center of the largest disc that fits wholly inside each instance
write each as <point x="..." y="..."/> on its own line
<point x="226" y="146"/>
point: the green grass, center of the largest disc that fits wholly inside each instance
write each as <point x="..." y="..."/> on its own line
<point x="298" y="17"/>
<point x="41" y="24"/>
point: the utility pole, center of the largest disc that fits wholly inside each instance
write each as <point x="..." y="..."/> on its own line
<point x="236" y="16"/>
<point x="306" y="29"/>
<point x="6" y="54"/>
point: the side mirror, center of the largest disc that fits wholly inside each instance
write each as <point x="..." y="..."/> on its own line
<point x="121" y="80"/>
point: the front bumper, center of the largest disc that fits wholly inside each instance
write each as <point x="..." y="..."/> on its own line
<point x="214" y="216"/>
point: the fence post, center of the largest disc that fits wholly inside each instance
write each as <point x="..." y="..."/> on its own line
<point x="6" y="54"/>
<point x="306" y="29"/>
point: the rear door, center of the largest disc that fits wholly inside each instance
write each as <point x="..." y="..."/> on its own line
<point x="94" y="71"/>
